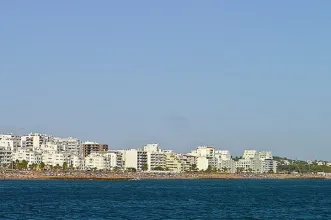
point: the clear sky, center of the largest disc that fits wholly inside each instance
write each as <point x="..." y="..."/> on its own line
<point x="233" y="74"/>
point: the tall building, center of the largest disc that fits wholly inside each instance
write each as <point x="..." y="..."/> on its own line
<point x="31" y="157"/>
<point x="34" y="141"/>
<point x="205" y="157"/>
<point x="10" y="142"/>
<point x="151" y="148"/>
<point x="89" y="147"/>
<point x="257" y="162"/>
<point x="224" y="161"/>
<point x="156" y="160"/>
<point x="72" y="145"/>
<point x="101" y="161"/>
<point x="173" y="162"/>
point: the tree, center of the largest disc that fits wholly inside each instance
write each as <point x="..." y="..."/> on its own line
<point x="158" y="168"/>
<point x="42" y="165"/>
<point x="132" y="169"/>
<point x="24" y="164"/>
<point x="240" y="169"/>
<point x="116" y="169"/>
<point x="193" y="167"/>
<point x="145" y="167"/>
<point x="31" y="166"/>
<point x="65" y="165"/>
<point x="209" y="169"/>
<point x="57" y="167"/>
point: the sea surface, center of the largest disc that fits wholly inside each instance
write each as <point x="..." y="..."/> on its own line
<point x="166" y="199"/>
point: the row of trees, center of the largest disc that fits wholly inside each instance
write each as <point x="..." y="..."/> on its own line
<point x="300" y="166"/>
<point x="303" y="168"/>
<point x="23" y="165"/>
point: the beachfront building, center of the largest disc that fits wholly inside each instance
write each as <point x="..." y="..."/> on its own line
<point x="173" y="162"/>
<point x="8" y="144"/>
<point x="76" y="161"/>
<point x="5" y="157"/>
<point x="119" y="157"/>
<point x="250" y="162"/>
<point x="130" y="159"/>
<point x="268" y="164"/>
<point x="32" y="157"/>
<point x="256" y="162"/>
<point x="55" y="159"/>
<point x="188" y="162"/>
<point x="101" y="161"/>
<point x="224" y="161"/>
<point x="205" y="157"/>
<point x="136" y="159"/>
<point x="156" y="161"/>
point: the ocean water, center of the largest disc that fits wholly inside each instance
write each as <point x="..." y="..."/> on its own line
<point x="166" y="199"/>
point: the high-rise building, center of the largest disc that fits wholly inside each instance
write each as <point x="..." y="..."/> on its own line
<point x="89" y="147"/>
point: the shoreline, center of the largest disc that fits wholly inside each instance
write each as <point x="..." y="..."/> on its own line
<point x="106" y="176"/>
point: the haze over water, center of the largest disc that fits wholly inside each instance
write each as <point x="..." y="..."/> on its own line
<point x="166" y="199"/>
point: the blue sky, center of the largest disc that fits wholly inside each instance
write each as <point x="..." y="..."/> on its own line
<point x="233" y="74"/>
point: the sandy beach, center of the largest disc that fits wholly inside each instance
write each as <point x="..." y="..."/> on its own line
<point x="34" y="175"/>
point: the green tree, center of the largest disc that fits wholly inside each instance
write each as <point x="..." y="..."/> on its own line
<point x="209" y="169"/>
<point x="145" y="167"/>
<point x="42" y="165"/>
<point x="24" y="164"/>
<point x="158" y="168"/>
<point x="65" y="166"/>
<point x="132" y="169"/>
<point x="116" y="169"/>
<point x="57" y="167"/>
<point x="193" y="167"/>
<point x="240" y="169"/>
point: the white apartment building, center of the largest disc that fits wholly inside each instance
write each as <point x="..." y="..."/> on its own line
<point x="150" y="156"/>
<point x="31" y="157"/>
<point x="49" y="147"/>
<point x="223" y="154"/>
<point x="156" y="160"/>
<point x="224" y="161"/>
<point x="265" y="155"/>
<point x="76" y="161"/>
<point x="187" y="161"/>
<point x="119" y="157"/>
<point x="205" y="157"/>
<point x="173" y="162"/>
<point x="130" y="158"/>
<point x="101" y="161"/>
<point x="152" y="148"/>
<point x="69" y="144"/>
<point x="228" y="166"/>
<point x="257" y="162"/>
<point x="54" y="158"/>
<point x="34" y="141"/>
<point x="5" y="156"/>
<point x="202" y="163"/>
<point x="250" y="162"/>
<point x="10" y="142"/>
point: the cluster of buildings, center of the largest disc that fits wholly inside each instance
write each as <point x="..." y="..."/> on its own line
<point x="53" y="151"/>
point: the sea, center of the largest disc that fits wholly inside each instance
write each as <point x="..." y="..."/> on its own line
<point x="165" y="199"/>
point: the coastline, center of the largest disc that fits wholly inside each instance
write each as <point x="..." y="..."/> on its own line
<point x="32" y="175"/>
